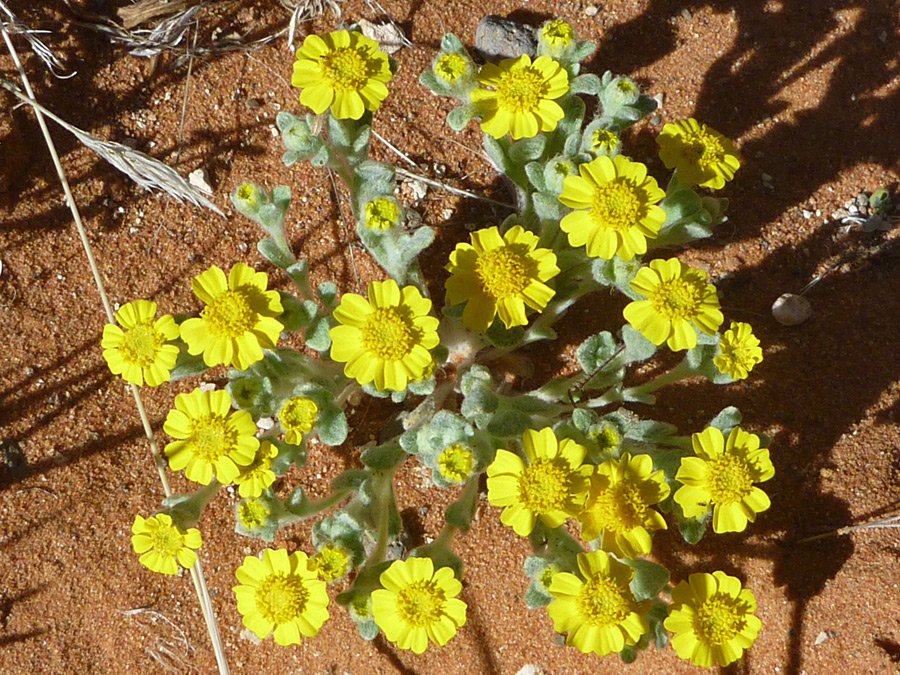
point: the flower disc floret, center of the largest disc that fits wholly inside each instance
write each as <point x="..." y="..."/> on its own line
<point x="138" y="348"/>
<point x="600" y="613"/>
<point x="616" y="210"/>
<point x="382" y="214"/>
<point x="618" y="505"/>
<point x="298" y="416"/>
<point x="558" y="34"/>
<point x="254" y="514"/>
<point x="281" y="593"/>
<point x="739" y="351"/>
<point x="418" y="604"/>
<point x="331" y="562"/>
<point x="386" y="337"/>
<point x="522" y="101"/>
<point x="678" y="298"/>
<point x="258" y="476"/>
<point x="209" y="440"/>
<point x="605" y="142"/>
<point x="450" y="68"/>
<point x="455" y="463"/>
<point x="701" y="155"/>
<point x="239" y="319"/>
<point x="722" y="475"/>
<point x="552" y="486"/>
<point x="713" y="619"/>
<point x="500" y="275"/>
<point x="161" y="543"/>
<point x="343" y="70"/>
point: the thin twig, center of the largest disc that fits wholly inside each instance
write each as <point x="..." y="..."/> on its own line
<point x="884" y="523"/>
<point x="453" y="190"/>
<point x="391" y="147"/>
<point x="196" y="569"/>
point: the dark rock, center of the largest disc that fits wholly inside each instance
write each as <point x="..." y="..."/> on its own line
<point x="499" y="38"/>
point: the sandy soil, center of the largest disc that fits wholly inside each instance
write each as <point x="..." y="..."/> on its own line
<point x="810" y="92"/>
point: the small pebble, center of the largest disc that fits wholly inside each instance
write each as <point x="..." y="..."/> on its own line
<point x="791" y="309"/>
<point x="591" y="10"/>
<point x="199" y="178"/>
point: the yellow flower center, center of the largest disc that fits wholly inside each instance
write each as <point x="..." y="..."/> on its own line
<point x="626" y="86"/>
<point x="521" y="90"/>
<point x="546" y="577"/>
<point x="558" y="33"/>
<point x="211" y="437"/>
<point x="281" y="598"/>
<point x="388" y="334"/>
<point x="606" y="438"/>
<point x="142" y="344"/>
<point x="299" y="414"/>
<point x="450" y="67"/>
<point x="616" y="206"/>
<point x="421" y="604"/>
<point x="167" y="539"/>
<point x="677" y="299"/>
<point x="331" y="562"/>
<point x="347" y="68"/>
<point x="621" y="507"/>
<point x="381" y="214"/>
<point x="504" y="272"/>
<point x="602" y="602"/>
<point x="248" y="193"/>
<point x="729" y="480"/>
<point x="456" y="463"/>
<point x="544" y="486"/>
<point x="719" y="620"/>
<point x="253" y="513"/>
<point x="604" y="139"/>
<point x="703" y="148"/>
<point x="229" y="314"/>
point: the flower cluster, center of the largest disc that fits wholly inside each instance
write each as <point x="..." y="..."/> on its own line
<point x="569" y="449"/>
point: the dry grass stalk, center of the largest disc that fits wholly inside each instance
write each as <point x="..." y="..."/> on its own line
<point x="149" y="173"/>
<point x="16" y="27"/>
<point x="135" y="15"/>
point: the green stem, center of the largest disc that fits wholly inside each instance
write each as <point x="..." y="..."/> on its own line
<point x="383" y="501"/>
<point x="644" y="391"/>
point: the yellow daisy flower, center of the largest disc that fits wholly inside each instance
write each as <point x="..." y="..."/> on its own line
<point x="140" y="353"/>
<point x="678" y="298"/>
<point x="258" y="475"/>
<point x="615" y="208"/>
<point x="254" y="514"/>
<point x="386" y="338"/>
<point x="343" y="70"/>
<point x="500" y="275"/>
<point x="455" y="463"/>
<point x="558" y="34"/>
<point x="600" y="613"/>
<point x="160" y="543"/>
<point x="209" y="440"/>
<point x="331" y="562"/>
<point x="739" y="351"/>
<point x="713" y="620"/>
<point x="238" y="321"/>
<point x="281" y="593"/>
<point x="382" y="214"/>
<point x="701" y="156"/>
<point x="618" y="506"/>
<point x="722" y="476"/>
<point x="552" y="487"/>
<point x="418" y="604"/>
<point x="522" y="101"/>
<point x="451" y="67"/>
<point x="604" y="141"/>
<point x="298" y="416"/>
